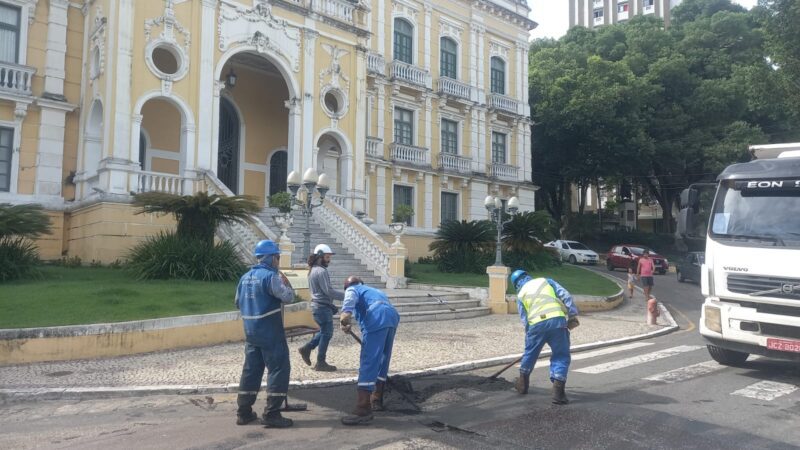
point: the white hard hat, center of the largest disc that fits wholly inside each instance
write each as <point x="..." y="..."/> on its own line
<point x="323" y="249"/>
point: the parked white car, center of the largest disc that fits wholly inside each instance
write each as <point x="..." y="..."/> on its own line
<point x="574" y="252"/>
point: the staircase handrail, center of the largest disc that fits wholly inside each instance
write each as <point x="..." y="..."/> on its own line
<point x="367" y="245"/>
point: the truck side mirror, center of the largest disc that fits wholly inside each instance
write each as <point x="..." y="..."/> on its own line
<point x="686" y="220"/>
<point x="690" y="198"/>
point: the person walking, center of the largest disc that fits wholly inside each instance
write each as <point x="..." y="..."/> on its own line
<point x="322" y="308"/>
<point x="644" y="271"/>
<point x="548" y="313"/>
<point x="259" y="297"/>
<point x="378" y="321"/>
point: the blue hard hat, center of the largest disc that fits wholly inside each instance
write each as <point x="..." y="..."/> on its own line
<point x="516" y="276"/>
<point x="266" y="248"/>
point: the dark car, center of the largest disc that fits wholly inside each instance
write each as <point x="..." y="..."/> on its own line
<point x="623" y="256"/>
<point x="689" y="266"/>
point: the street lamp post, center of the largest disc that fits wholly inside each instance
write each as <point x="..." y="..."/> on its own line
<point x="310" y="182"/>
<point x="495" y="207"/>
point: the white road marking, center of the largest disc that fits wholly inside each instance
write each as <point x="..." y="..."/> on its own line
<point x="601" y="352"/>
<point x="634" y="360"/>
<point x="766" y="390"/>
<point x="689" y="372"/>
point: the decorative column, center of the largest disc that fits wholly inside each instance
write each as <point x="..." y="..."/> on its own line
<point x="473" y="62"/>
<point x="520" y="134"/>
<point x="356" y="172"/>
<point x="382" y="28"/>
<point x="397" y="259"/>
<point x="136" y="128"/>
<point x="427" y="41"/>
<point x="381" y="116"/>
<point x="498" y="283"/>
<point x="295" y="123"/>
<point x="428" y="128"/>
<point x="206" y="88"/>
<point x="216" y="92"/>
<point x="480" y="33"/>
<point x="526" y="108"/>
<point x="20" y="112"/>
<point x="307" y="160"/>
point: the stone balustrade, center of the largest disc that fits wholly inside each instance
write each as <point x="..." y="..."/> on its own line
<point x="16" y="79"/>
<point x="409" y="154"/>
<point x="504" y="103"/>
<point x="503" y="171"/>
<point x="455" y="88"/>
<point x="376" y="63"/>
<point x="374" y="147"/>
<point x="455" y="163"/>
<point x="410" y="74"/>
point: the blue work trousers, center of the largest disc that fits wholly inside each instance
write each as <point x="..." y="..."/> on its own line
<point x="554" y="333"/>
<point x="324" y="318"/>
<point x="275" y="358"/>
<point x="376" y="354"/>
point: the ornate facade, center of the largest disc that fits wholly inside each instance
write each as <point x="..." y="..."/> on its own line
<point x="399" y="101"/>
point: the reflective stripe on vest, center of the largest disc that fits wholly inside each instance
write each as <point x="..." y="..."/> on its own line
<point x="274" y="311"/>
<point x="540" y="301"/>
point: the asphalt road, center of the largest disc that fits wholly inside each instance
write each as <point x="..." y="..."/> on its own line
<point x="661" y="393"/>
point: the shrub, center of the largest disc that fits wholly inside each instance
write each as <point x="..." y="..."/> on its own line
<point x="525" y="232"/>
<point x="282" y="201"/>
<point x="18" y="258"/>
<point x="71" y="263"/>
<point x="426" y="260"/>
<point x="402" y="213"/>
<point x="407" y="268"/>
<point x="168" y="255"/>
<point x="464" y="246"/>
<point x="27" y="221"/>
<point x="539" y="260"/>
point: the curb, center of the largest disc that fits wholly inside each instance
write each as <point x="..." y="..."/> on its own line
<point x="86" y="393"/>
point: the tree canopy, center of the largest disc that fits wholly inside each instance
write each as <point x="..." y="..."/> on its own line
<point x="663" y="107"/>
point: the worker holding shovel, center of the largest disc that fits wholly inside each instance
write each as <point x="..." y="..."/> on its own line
<point x="378" y="321"/>
<point x="548" y="314"/>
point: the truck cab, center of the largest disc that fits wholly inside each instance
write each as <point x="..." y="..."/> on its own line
<point x="751" y="275"/>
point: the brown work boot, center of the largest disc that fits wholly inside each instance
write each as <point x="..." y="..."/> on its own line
<point x="377" y="397"/>
<point x="559" y="396"/>
<point x="323" y="366"/>
<point x="305" y="353"/>
<point x="362" y="414"/>
<point x="521" y="383"/>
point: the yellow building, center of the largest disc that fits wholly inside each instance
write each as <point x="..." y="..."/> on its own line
<point x="398" y="101"/>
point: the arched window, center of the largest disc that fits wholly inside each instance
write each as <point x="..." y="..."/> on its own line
<point x="403" y="41"/>
<point x="498" y="76"/>
<point x="449" y="58"/>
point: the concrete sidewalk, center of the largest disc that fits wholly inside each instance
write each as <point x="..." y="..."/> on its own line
<point x="419" y="347"/>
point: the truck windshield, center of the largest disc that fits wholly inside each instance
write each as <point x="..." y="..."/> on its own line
<point x="758" y="212"/>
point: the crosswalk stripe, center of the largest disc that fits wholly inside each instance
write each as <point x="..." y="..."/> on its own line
<point x="639" y="359"/>
<point x="687" y="373"/>
<point x="766" y="390"/>
<point x="601" y="352"/>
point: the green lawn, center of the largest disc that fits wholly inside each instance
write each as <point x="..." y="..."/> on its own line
<point x="66" y="296"/>
<point x="575" y="280"/>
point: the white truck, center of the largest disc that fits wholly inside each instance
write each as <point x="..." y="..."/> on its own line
<point x="751" y="276"/>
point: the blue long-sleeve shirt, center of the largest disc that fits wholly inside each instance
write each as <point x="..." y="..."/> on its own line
<point x="561" y="293"/>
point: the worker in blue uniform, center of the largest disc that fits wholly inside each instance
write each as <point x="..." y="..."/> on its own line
<point x="378" y="321"/>
<point x="259" y="296"/>
<point x="548" y="313"/>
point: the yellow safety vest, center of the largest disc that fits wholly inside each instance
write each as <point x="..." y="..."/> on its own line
<point x="540" y="301"/>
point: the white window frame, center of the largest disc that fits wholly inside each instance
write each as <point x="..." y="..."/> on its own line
<point x="506" y="86"/>
<point x="458" y="54"/>
<point x="506" y="145"/>
<point x="413" y="201"/>
<point x="414" y="36"/>
<point x="25" y="9"/>
<point x="13" y="181"/>
<point x="414" y="121"/>
<point x="458" y="134"/>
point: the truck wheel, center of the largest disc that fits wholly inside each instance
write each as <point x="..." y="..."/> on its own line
<point x="727" y="357"/>
<point x="609" y="266"/>
<point x="572" y="259"/>
<point x="681" y="279"/>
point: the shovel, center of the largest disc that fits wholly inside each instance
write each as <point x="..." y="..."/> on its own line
<point x="499" y="372"/>
<point x="441" y="302"/>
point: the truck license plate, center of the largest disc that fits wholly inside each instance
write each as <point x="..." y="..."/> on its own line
<point x="783" y="345"/>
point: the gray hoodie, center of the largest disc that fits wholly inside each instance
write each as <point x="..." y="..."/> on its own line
<point x="322" y="292"/>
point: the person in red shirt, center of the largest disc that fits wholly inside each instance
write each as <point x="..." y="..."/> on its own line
<point x="645" y="273"/>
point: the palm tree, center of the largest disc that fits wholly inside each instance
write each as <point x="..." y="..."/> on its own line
<point x="200" y="214"/>
<point x="27" y="221"/>
<point x="463" y="246"/>
<point x="526" y="231"/>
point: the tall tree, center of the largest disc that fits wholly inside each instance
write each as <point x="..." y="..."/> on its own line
<point x="781" y="20"/>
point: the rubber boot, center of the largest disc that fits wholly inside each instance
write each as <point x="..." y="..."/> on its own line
<point x="272" y="414"/>
<point x="521" y="383"/>
<point x="323" y="366"/>
<point x="362" y="414"/>
<point x="377" y="397"/>
<point x="305" y="353"/>
<point x="559" y="396"/>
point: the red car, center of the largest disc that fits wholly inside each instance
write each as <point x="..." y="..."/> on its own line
<point x="621" y="256"/>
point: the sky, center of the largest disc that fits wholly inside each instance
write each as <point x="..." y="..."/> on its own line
<point x="553" y="16"/>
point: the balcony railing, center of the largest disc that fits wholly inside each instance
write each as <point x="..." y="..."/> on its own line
<point x="16" y="79"/>
<point x="410" y="74"/>
<point x="163" y="182"/>
<point x="503" y="103"/>
<point x="376" y="63"/>
<point x="503" y="171"/>
<point x="455" y="163"/>
<point x="449" y="86"/>
<point x="409" y="154"/>
<point x="338" y="9"/>
<point x="374" y="147"/>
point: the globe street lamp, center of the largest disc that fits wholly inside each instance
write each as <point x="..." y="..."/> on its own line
<point x="495" y="207"/>
<point x="310" y="183"/>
